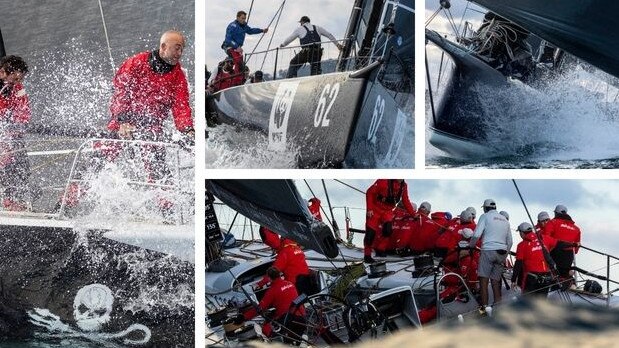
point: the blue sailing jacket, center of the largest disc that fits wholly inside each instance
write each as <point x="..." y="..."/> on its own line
<point x="235" y="34"/>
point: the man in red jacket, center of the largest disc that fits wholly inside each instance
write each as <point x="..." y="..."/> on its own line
<point x="291" y="261"/>
<point x="531" y="270"/>
<point x="14" y="116"/>
<point x="314" y="207"/>
<point x="564" y="230"/>
<point x="382" y="198"/>
<point x="147" y="88"/>
<point x="281" y="296"/>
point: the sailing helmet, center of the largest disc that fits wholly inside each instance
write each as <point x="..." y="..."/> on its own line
<point x="525" y="227"/>
<point x="560" y="208"/>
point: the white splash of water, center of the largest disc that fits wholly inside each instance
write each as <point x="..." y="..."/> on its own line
<point x="228" y="148"/>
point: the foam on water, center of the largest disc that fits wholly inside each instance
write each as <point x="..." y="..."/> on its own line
<point x="229" y="147"/>
<point x="568" y="121"/>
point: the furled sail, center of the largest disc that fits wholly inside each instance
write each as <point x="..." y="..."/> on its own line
<point x="584" y="28"/>
<point x="277" y="205"/>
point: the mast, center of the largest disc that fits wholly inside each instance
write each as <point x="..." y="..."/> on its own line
<point x="351" y="31"/>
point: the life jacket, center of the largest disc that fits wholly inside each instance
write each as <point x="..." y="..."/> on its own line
<point x="310" y="37"/>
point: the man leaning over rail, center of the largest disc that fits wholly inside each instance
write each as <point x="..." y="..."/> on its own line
<point x="235" y="38"/>
<point x="309" y="36"/>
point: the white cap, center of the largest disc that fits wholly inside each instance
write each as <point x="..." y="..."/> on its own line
<point x="466" y="232"/>
<point x="543" y="216"/>
<point x="466" y="216"/>
<point x="525" y="227"/>
<point x="560" y="208"/>
<point x="426" y="206"/>
<point x="472" y="210"/>
<point x="489" y="203"/>
<point x="504" y="213"/>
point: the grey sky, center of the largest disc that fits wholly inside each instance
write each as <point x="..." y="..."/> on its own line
<point x="330" y="14"/>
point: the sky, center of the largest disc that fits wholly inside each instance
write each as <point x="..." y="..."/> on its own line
<point x="593" y="204"/>
<point x="332" y="15"/>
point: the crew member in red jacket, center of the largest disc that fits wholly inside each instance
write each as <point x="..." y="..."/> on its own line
<point x="291" y="261"/>
<point x="531" y="270"/>
<point x="281" y="296"/>
<point x="447" y="242"/>
<point x="270" y="238"/>
<point x="314" y="207"/>
<point x="147" y="88"/>
<point x="563" y="229"/>
<point x="14" y="117"/>
<point x="417" y="242"/>
<point x="382" y="198"/>
<point x="542" y="221"/>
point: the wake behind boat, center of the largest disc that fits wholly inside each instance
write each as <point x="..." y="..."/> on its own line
<point x="358" y="115"/>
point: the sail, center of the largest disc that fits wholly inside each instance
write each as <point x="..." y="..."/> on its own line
<point x="277" y="205"/>
<point x="585" y="28"/>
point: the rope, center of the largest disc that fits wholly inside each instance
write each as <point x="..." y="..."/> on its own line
<point x="350" y="186"/>
<point x="250" y="8"/>
<point x="107" y="38"/>
<point x="262" y="36"/>
<point x="272" y="35"/>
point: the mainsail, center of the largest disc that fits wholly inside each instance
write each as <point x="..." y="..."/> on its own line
<point x="277" y="205"/>
<point x="584" y="28"/>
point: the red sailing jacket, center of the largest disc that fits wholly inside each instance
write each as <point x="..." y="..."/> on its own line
<point x="290" y="260"/>
<point x="449" y="239"/>
<point x="14" y="110"/>
<point x="381" y="199"/>
<point x="269" y="238"/>
<point x="314" y="208"/>
<point x="279" y="296"/>
<point x="564" y="229"/>
<point x="142" y="92"/>
<point x="404" y="227"/>
<point x="530" y="252"/>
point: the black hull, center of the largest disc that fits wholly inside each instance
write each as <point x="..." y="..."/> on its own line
<point x="45" y="268"/>
<point x="462" y="110"/>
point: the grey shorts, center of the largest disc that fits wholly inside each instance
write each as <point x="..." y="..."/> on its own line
<point x="491" y="264"/>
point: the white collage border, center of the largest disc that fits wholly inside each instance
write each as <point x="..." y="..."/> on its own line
<point x="419" y="172"/>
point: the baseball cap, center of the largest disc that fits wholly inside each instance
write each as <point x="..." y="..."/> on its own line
<point x="525" y="227"/>
<point x="489" y="203"/>
<point x="543" y="216"/>
<point x="426" y="206"/>
<point x="560" y="208"/>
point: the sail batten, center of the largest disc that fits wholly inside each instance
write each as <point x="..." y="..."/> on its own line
<point x="585" y="28"/>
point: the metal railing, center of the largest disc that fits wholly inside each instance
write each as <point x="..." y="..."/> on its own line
<point x="276" y="55"/>
<point x="88" y="147"/>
